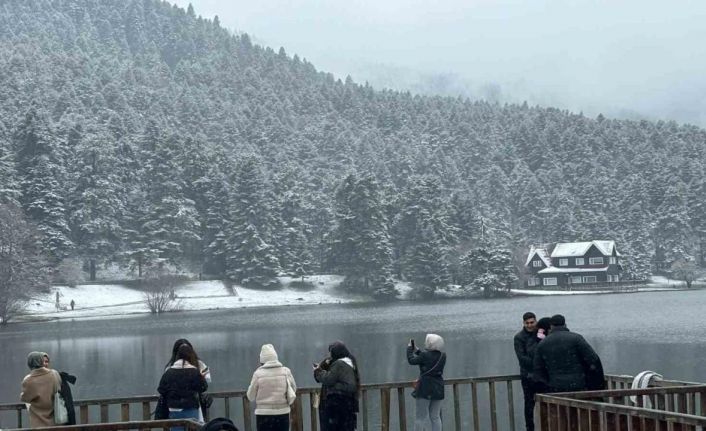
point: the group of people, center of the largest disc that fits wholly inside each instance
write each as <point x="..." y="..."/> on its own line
<point x="554" y="359"/>
<point x="183" y="385"/>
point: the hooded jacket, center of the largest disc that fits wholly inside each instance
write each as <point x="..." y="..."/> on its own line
<point x="270" y="383"/>
<point x="38" y="389"/>
<point x="431" y="363"/>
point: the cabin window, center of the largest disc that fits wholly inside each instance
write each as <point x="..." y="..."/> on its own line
<point x="536" y="263"/>
<point x="580" y="261"/>
<point x="575" y="279"/>
<point x="533" y="281"/>
<point x="612" y="278"/>
<point x="563" y="262"/>
<point x="550" y="281"/>
<point x="612" y="260"/>
<point x="590" y="278"/>
<point x="595" y="260"/>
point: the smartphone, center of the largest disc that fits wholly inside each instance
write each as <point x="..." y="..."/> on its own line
<point x="315" y="364"/>
<point x="411" y="342"/>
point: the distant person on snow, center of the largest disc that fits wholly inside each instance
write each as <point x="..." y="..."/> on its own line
<point x="73" y="304"/>
<point x="429" y="388"/>
<point x="564" y="361"/>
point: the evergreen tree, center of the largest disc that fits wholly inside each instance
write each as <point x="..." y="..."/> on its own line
<point x="427" y="267"/>
<point x="250" y="257"/>
<point x="40" y="169"/>
<point x="360" y="242"/>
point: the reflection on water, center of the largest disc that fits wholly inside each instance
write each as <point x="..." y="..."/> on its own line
<point x="661" y="331"/>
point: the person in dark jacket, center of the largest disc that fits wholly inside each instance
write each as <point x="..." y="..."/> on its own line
<point x="340" y="387"/>
<point x="68" y="397"/>
<point x="182" y="384"/>
<point x="525" y="342"/>
<point x="564" y="360"/>
<point x="429" y="389"/>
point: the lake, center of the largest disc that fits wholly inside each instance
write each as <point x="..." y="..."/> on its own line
<point x="660" y="331"/>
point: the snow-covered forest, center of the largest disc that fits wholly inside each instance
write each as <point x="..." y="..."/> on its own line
<point x="138" y="133"/>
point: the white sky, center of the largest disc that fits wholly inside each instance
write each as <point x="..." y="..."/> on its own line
<point x="632" y="57"/>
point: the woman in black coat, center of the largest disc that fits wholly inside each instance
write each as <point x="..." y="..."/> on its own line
<point x="429" y="388"/>
<point x="340" y="386"/>
<point x="182" y="384"/>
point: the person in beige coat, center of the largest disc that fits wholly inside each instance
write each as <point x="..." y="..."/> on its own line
<point x="273" y="390"/>
<point x="38" y="389"/>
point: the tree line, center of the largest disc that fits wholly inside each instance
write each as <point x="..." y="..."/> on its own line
<point x="138" y="132"/>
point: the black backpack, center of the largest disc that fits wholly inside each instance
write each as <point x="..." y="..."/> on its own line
<point x="219" y="424"/>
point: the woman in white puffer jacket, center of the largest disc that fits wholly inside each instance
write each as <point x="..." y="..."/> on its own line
<point x="273" y="390"/>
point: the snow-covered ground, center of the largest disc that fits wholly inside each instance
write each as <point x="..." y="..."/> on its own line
<point x="94" y="300"/>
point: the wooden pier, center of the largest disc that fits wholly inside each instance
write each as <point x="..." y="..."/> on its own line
<point x="472" y="404"/>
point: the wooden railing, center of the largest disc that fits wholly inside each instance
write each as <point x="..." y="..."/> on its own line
<point x="165" y="425"/>
<point x="479" y="403"/>
<point x="665" y="408"/>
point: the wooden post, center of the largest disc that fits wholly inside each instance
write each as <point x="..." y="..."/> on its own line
<point x="247" y="417"/>
<point x="83" y="412"/>
<point x="474" y="401"/>
<point x="493" y="407"/>
<point x="365" y="409"/>
<point x="104" y="413"/>
<point x="457" y="407"/>
<point x="226" y="406"/>
<point x="385" y="409"/>
<point x="402" y="408"/>
<point x="313" y="412"/>
<point x="125" y="412"/>
<point x="511" y="405"/>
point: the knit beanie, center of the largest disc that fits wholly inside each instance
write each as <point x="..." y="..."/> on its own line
<point x="267" y="353"/>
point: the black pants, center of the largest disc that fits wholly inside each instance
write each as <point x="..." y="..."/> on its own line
<point x="272" y="422"/>
<point x="529" y="388"/>
<point x="334" y="418"/>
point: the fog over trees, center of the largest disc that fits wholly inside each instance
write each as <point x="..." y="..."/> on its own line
<point x="136" y="132"/>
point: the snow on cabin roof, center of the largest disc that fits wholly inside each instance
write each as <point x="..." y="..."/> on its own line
<point x="555" y="270"/>
<point x="542" y="253"/>
<point x="573" y="249"/>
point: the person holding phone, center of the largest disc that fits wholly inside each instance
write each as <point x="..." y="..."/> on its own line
<point x="429" y="388"/>
<point x="340" y="389"/>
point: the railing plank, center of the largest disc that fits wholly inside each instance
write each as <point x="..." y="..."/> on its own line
<point x="247" y="416"/>
<point x="105" y="413"/>
<point x="511" y="405"/>
<point x="83" y="413"/>
<point x="402" y="410"/>
<point x="474" y="406"/>
<point x="125" y="412"/>
<point x="313" y="410"/>
<point x="226" y="406"/>
<point x="457" y="407"/>
<point x="493" y="407"/>
<point x="365" y="409"/>
<point x="385" y="409"/>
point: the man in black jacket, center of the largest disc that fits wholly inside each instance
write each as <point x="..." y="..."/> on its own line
<point x="564" y="360"/>
<point x="525" y="344"/>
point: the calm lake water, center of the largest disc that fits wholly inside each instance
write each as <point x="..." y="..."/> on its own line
<point x="660" y="331"/>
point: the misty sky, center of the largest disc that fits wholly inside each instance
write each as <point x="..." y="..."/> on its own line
<point x="633" y="58"/>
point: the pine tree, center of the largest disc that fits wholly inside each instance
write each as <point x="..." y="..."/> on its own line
<point x="427" y="267"/>
<point x="250" y="256"/>
<point x="9" y="186"/>
<point x="96" y="206"/>
<point x="360" y="243"/>
<point x="42" y="195"/>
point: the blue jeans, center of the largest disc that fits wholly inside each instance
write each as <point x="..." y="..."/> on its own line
<point x="428" y="414"/>
<point x="183" y="414"/>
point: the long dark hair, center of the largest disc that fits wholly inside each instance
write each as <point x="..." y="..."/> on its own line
<point x="186" y="353"/>
<point x="175" y="350"/>
<point x="338" y="350"/>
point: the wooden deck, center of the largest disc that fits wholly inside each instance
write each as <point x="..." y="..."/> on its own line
<point x="477" y="404"/>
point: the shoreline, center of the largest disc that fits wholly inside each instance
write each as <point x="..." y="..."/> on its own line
<point x="104" y="306"/>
